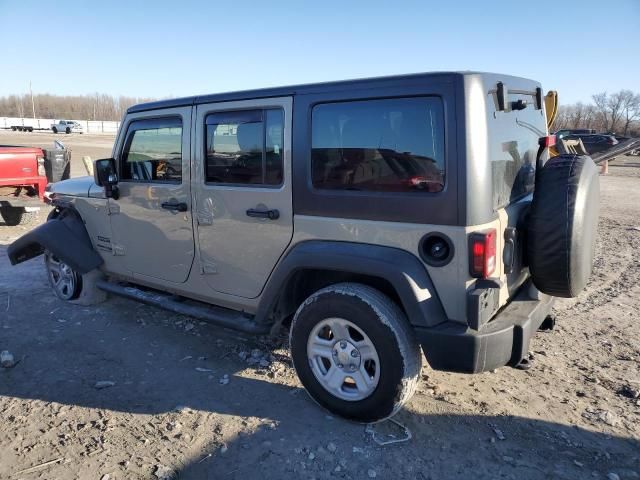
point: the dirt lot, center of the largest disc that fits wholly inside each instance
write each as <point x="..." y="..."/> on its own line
<point x="194" y="401"/>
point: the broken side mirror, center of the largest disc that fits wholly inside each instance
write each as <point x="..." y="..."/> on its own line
<point x="106" y="176"/>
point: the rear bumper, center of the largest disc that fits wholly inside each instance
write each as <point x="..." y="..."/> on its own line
<point x="454" y="347"/>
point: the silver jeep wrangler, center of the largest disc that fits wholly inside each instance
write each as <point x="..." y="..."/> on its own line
<point x="377" y="217"/>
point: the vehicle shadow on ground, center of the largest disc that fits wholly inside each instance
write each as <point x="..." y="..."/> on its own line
<point x="157" y="364"/>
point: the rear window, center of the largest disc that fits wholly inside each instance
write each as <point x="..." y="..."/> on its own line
<point x="513" y="146"/>
<point x="388" y="145"/>
<point x="245" y="147"/>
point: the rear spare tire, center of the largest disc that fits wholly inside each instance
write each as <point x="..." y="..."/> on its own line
<point x="563" y="225"/>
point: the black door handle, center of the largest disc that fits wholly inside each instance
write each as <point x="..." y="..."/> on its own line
<point x="270" y="214"/>
<point x="175" y="207"/>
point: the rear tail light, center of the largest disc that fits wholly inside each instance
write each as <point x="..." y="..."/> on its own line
<point x="482" y="253"/>
<point x="41" y="170"/>
<point x="548" y="141"/>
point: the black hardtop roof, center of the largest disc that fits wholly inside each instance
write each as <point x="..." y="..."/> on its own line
<point x="295" y="89"/>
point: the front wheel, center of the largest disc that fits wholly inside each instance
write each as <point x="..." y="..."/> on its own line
<point x="354" y="352"/>
<point x="68" y="130"/>
<point x="65" y="282"/>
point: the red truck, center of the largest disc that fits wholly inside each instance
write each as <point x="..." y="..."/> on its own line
<point x="24" y="174"/>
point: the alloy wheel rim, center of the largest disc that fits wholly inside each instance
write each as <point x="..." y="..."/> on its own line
<point x="343" y="359"/>
<point x="62" y="277"/>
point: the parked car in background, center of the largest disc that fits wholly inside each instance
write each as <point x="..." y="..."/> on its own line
<point x="66" y="126"/>
<point x="575" y="131"/>
<point x="22" y="183"/>
<point x="24" y="175"/>
<point x="595" y="143"/>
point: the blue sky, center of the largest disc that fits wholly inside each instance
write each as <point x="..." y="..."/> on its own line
<point x="178" y="48"/>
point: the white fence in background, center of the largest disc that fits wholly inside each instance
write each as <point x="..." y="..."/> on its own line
<point x="89" y="126"/>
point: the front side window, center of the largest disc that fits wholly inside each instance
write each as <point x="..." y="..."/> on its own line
<point x="245" y="147"/>
<point x="390" y="145"/>
<point x="153" y="151"/>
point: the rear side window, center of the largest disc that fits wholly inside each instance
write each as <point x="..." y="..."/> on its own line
<point x="153" y="151"/>
<point x="245" y="147"/>
<point x="389" y="145"/>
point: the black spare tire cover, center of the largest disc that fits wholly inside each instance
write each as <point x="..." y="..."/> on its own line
<point x="562" y="225"/>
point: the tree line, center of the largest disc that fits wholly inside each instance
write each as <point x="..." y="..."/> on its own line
<point x="98" y="106"/>
<point x="617" y="113"/>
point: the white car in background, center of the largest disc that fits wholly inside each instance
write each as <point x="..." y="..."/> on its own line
<point x="66" y="126"/>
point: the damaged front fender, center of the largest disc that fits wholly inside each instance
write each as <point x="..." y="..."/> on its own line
<point x="65" y="236"/>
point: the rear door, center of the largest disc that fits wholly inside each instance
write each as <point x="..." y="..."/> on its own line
<point x="151" y="219"/>
<point x="513" y="148"/>
<point x="242" y="191"/>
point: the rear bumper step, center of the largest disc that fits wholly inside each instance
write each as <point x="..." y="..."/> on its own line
<point x="217" y="315"/>
<point x="454" y="347"/>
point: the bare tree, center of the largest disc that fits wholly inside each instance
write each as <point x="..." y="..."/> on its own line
<point x="610" y="108"/>
<point x="630" y="108"/>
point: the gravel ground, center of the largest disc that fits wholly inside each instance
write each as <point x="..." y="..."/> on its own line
<point x="125" y="391"/>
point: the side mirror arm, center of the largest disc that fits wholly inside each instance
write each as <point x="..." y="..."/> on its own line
<point x="112" y="191"/>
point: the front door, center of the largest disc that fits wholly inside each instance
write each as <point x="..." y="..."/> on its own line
<point x="151" y="220"/>
<point x="242" y="191"/>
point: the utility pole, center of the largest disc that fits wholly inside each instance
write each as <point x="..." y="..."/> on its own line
<point x="33" y="105"/>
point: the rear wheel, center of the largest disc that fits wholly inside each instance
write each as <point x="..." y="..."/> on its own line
<point x="55" y="130"/>
<point x="354" y="352"/>
<point x="68" y="130"/>
<point x="13" y="216"/>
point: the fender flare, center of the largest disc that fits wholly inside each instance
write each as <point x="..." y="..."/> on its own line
<point x="65" y="236"/>
<point x="400" y="268"/>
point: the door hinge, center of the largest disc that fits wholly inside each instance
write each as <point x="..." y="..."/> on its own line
<point x="207" y="267"/>
<point x="204" y="219"/>
<point x="118" y="250"/>
<point x="204" y="212"/>
<point x="113" y="208"/>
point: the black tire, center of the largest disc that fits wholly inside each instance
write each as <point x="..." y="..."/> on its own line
<point x="563" y="225"/>
<point x="68" y="131"/>
<point x="13" y="129"/>
<point x="86" y="292"/>
<point x="74" y="285"/>
<point x="388" y="330"/>
<point x="13" y="216"/>
<point x="55" y="130"/>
